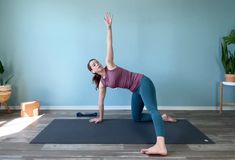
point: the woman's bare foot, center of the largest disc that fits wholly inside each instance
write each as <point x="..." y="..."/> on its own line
<point x="158" y="149"/>
<point x="168" y="118"/>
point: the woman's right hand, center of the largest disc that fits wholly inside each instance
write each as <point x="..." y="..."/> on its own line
<point x="96" y="120"/>
<point x="108" y="19"/>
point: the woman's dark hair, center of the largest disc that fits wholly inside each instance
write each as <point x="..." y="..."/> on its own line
<point x="96" y="78"/>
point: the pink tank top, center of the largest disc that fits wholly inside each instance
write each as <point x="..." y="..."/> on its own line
<point x="121" y="78"/>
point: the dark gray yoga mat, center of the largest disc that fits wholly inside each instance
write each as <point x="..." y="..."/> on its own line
<point x="117" y="131"/>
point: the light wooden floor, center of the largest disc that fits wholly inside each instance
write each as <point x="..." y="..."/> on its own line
<point x="220" y="128"/>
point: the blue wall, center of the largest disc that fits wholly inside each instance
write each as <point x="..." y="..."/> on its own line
<point x="47" y="43"/>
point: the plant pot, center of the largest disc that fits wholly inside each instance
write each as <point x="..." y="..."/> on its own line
<point x="229" y="77"/>
<point x="5" y="88"/>
<point x="5" y="94"/>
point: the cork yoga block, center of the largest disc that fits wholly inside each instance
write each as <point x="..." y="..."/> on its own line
<point x="30" y="109"/>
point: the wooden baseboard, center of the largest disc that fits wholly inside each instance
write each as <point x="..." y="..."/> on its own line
<point x="127" y="107"/>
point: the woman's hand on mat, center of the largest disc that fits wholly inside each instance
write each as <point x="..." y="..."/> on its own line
<point x="96" y="120"/>
<point x="108" y="19"/>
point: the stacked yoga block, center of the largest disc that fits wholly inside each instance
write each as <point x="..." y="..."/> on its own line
<point x="30" y="109"/>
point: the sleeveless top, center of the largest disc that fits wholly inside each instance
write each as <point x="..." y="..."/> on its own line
<point x="121" y="78"/>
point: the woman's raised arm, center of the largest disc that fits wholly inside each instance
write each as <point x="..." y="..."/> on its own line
<point x="110" y="56"/>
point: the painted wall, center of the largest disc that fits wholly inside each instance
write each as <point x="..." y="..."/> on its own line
<point x="46" y="44"/>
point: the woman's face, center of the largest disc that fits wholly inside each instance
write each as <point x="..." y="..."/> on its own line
<point x="95" y="66"/>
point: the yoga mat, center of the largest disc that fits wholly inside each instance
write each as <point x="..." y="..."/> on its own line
<point x="117" y="131"/>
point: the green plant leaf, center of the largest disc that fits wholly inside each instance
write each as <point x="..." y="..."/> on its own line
<point x="232" y="34"/>
<point x="1" y="68"/>
<point x="229" y="40"/>
<point x="1" y="81"/>
<point x="8" y="79"/>
<point x="225" y="58"/>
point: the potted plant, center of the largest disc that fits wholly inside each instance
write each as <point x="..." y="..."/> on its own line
<point x="228" y="58"/>
<point x="5" y="88"/>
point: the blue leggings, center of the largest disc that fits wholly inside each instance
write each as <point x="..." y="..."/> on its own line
<point x="145" y="95"/>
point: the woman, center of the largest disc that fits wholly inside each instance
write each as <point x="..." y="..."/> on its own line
<point x="142" y="87"/>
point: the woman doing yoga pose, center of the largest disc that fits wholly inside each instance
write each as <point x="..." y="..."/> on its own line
<point x="140" y="85"/>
